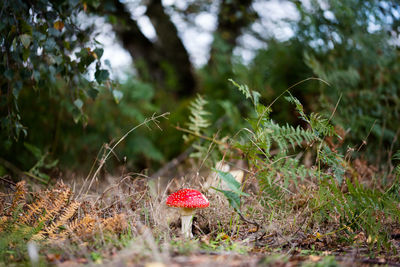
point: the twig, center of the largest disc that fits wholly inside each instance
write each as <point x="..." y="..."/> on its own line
<point x="251" y="222"/>
<point x="7" y="181"/>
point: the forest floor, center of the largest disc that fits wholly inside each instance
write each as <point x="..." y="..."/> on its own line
<point x="124" y="221"/>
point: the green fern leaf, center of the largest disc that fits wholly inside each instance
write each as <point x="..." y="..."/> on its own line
<point x="197" y="119"/>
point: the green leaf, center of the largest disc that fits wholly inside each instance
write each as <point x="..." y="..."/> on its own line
<point x="9" y="74"/>
<point x="44" y="176"/>
<point x="397" y="155"/>
<point x="92" y="92"/>
<point x="34" y="150"/>
<point x="256" y="97"/>
<point x="108" y="63"/>
<point x="25" y="40"/>
<point x="78" y="103"/>
<point x="99" y="52"/>
<point x="233" y="199"/>
<point x="16" y="91"/>
<point x="76" y="115"/>
<point x="50" y="165"/>
<point x="101" y="75"/>
<point x="117" y="95"/>
<point x="231" y="182"/>
<point x="25" y="54"/>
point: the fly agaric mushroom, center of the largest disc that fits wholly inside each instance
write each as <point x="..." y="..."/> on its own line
<point x="188" y="200"/>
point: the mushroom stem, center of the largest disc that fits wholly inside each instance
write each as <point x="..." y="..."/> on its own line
<point x="187" y="226"/>
<point x="186" y="221"/>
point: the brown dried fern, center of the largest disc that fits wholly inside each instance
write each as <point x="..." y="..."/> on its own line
<point x="62" y="220"/>
<point x="33" y="209"/>
<point x="117" y="223"/>
<point x="3" y="222"/>
<point x="82" y="227"/>
<point x="54" y="208"/>
<point x="18" y="198"/>
<point x="56" y="200"/>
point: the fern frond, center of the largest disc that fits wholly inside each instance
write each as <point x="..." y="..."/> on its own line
<point x="82" y="227"/>
<point x="115" y="224"/>
<point x="335" y="161"/>
<point x="298" y="105"/>
<point x="197" y="119"/>
<point x="270" y="188"/>
<point x="397" y="155"/>
<point x="293" y="171"/>
<point x="38" y="237"/>
<point x="321" y="125"/>
<point x="283" y="136"/>
<point x="33" y="210"/>
<point x="254" y="96"/>
<point x="56" y="199"/>
<point x="243" y="88"/>
<point x="18" y="198"/>
<point x="397" y="170"/>
<point x="62" y="220"/>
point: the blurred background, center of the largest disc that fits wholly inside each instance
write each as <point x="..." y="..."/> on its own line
<point x="76" y="75"/>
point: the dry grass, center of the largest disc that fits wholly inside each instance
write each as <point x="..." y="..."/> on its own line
<point x="124" y="221"/>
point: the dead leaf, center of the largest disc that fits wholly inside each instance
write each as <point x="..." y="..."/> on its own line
<point x="253" y="230"/>
<point x="59" y="25"/>
<point x="53" y="257"/>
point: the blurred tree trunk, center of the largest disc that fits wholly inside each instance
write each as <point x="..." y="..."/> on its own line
<point x="233" y="17"/>
<point x="165" y="62"/>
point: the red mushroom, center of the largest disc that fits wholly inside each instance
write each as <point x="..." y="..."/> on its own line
<point x="188" y="200"/>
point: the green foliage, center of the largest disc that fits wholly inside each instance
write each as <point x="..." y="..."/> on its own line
<point x="109" y="117"/>
<point x="267" y="145"/>
<point x="197" y="119"/>
<point x="13" y="243"/>
<point x="244" y="89"/>
<point x="235" y="193"/>
<point x="56" y="135"/>
<point x="43" y="51"/>
<point x="42" y="164"/>
<point x="318" y="123"/>
<point x="350" y="44"/>
<point x="274" y="70"/>
<point x="333" y="160"/>
<point x="397" y="169"/>
<point x="360" y="209"/>
<point x="284" y="136"/>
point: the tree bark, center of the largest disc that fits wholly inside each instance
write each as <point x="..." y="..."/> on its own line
<point x="173" y="50"/>
<point x="164" y="62"/>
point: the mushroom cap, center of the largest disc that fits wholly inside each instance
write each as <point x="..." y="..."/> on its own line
<point x="187" y="198"/>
